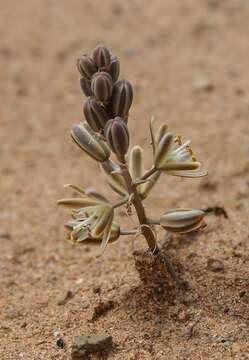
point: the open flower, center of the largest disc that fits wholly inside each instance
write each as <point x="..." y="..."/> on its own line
<point x="92" y="219"/>
<point x="182" y="220"/>
<point x="172" y="156"/>
<point x="78" y="233"/>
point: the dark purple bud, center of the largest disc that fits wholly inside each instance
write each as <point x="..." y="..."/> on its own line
<point x="101" y="56"/>
<point x="86" y="86"/>
<point x="114" y="68"/>
<point x="95" y="114"/>
<point x="86" y="66"/>
<point x="117" y="136"/>
<point x="102" y="86"/>
<point x="122" y="98"/>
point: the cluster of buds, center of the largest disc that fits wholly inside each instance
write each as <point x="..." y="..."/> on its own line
<point x="105" y="133"/>
<point x="107" y="97"/>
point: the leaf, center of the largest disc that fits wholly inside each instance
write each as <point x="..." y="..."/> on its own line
<point x="152" y="134"/>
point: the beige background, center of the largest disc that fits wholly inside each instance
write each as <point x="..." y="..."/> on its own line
<point x="188" y="62"/>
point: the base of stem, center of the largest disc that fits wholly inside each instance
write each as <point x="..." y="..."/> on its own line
<point x="157" y="272"/>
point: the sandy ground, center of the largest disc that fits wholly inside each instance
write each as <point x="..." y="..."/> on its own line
<point x="188" y="61"/>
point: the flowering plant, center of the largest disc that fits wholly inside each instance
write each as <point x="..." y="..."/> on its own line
<point x="105" y="133"/>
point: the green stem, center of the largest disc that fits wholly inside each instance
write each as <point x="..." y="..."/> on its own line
<point x="148" y="173"/>
<point x="153" y="221"/>
<point x="121" y="202"/>
<point x="128" y="232"/>
<point x="145" y="226"/>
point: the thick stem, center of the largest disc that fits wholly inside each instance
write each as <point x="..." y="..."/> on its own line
<point x="145" y="226"/>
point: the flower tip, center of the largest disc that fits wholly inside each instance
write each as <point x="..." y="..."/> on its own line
<point x="152" y="119"/>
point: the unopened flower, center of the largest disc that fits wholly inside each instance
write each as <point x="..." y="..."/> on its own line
<point x="95" y="114"/>
<point x="174" y="157"/>
<point x="101" y="56"/>
<point x="122" y="98"/>
<point x="102" y="86"/>
<point x="182" y="220"/>
<point x="86" y="66"/>
<point x="114" y="68"/>
<point x="117" y="136"/>
<point x="91" y="143"/>
<point x="136" y="167"/>
<point x="85" y="86"/>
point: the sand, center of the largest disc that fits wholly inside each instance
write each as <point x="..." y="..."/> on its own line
<point x="188" y="63"/>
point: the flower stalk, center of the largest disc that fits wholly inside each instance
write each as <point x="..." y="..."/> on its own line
<point x="144" y="224"/>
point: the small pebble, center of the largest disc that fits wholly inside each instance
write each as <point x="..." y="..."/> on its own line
<point x="96" y="289"/>
<point x="205" y="85"/>
<point x="84" y="304"/>
<point x="90" y="343"/>
<point x="183" y="315"/>
<point x="60" y="343"/>
<point x="65" y="298"/>
<point x="215" y="265"/>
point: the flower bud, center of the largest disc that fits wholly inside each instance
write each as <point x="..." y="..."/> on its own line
<point x="102" y="86"/>
<point x="101" y="56"/>
<point x="92" y="145"/>
<point x="95" y="114"/>
<point x="114" y="68"/>
<point x="86" y="86"/>
<point x="122" y="98"/>
<point x="117" y="136"/>
<point x="182" y="220"/>
<point x="86" y="66"/>
<point x="136" y="162"/>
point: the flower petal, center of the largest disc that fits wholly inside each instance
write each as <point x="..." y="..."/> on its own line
<point x="162" y="150"/>
<point x="180" y="166"/>
<point x="152" y="134"/>
<point x="188" y="174"/>
<point x="78" y="203"/>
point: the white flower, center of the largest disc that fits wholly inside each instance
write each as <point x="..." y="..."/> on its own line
<point x="92" y="219"/>
<point x="174" y="157"/>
